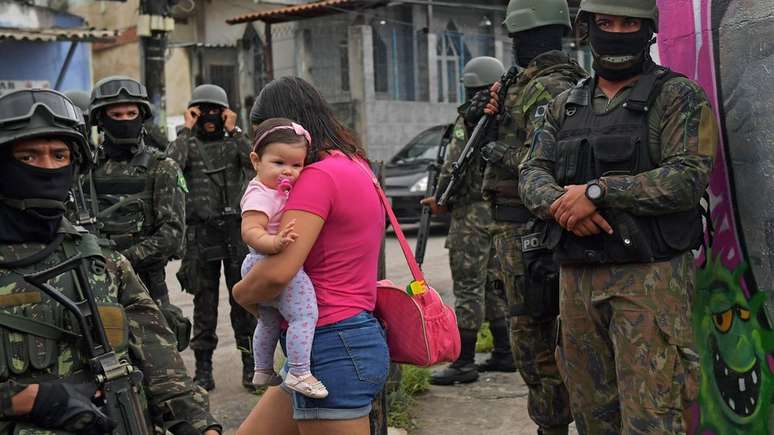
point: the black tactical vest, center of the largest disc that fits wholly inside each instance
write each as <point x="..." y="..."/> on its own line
<point x="125" y="202"/>
<point x="590" y="146"/>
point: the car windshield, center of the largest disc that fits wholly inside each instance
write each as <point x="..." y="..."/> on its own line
<point x="422" y="149"/>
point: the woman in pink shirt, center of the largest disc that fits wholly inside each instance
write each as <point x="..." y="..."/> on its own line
<point x="340" y="223"/>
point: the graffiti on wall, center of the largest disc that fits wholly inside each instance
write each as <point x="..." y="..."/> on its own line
<point x="726" y="46"/>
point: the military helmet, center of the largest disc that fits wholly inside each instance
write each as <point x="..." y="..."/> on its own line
<point x="32" y="113"/>
<point x="208" y="94"/>
<point x="81" y="100"/>
<point x="645" y="9"/>
<point x="482" y="71"/>
<point x="118" y="90"/>
<point x="524" y="15"/>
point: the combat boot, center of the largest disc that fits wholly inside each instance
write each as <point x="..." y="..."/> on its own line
<point x="203" y="376"/>
<point x="248" y="368"/>
<point x="464" y="369"/>
<point x="556" y="430"/>
<point x="502" y="357"/>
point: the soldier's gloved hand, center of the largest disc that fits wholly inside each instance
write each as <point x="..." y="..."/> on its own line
<point x="69" y="407"/>
<point x="493" y="152"/>
<point x="475" y="109"/>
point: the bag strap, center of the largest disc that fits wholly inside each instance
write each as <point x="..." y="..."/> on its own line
<point x="418" y="286"/>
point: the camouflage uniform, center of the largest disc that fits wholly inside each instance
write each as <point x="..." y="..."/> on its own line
<point x="213" y="232"/>
<point x="532" y="339"/>
<point x="476" y="296"/>
<point x="627" y="345"/>
<point x="136" y="330"/>
<point x="147" y="232"/>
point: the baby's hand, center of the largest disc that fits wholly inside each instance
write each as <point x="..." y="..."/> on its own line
<point x="285" y="236"/>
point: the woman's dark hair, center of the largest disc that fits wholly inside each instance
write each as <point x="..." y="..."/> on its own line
<point x="296" y="99"/>
<point x="284" y="135"/>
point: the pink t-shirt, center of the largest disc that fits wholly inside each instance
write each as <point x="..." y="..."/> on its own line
<point x="343" y="261"/>
<point x="259" y="197"/>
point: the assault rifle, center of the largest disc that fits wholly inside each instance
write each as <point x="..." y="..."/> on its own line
<point x="118" y="380"/>
<point x="460" y="167"/>
<point x="433" y="172"/>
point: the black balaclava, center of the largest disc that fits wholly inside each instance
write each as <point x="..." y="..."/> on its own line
<point x="620" y="56"/>
<point x="216" y="119"/>
<point x="529" y="44"/>
<point x="44" y="191"/>
<point x="122" y="138"/>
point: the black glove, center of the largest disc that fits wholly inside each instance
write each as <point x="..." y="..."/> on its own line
<point x="475" y="109"/>
<point x="69" y="407"/>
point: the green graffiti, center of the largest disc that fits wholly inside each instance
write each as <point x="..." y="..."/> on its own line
<point x="737" y="385"/>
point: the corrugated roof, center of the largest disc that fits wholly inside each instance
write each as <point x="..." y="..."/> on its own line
<point x="307" y="10"/>
<point x="57" y="34"/>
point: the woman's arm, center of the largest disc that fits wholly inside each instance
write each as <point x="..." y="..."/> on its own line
<point x="269" y="276"/>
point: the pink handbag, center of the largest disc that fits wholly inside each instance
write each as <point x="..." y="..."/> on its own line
<point x="421" y="329"/>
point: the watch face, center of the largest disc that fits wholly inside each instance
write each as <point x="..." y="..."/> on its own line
<point x="594" y="191"/>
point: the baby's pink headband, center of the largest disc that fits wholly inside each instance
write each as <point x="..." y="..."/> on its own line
<point x="297" y="128"/>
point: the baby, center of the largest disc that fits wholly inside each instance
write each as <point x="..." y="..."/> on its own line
<point x="278" y="157"/>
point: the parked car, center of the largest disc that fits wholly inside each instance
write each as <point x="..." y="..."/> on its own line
<point x="406" y="174"/>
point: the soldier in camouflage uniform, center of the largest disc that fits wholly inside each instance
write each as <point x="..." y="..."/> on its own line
<point x="136" y="194"/>
<point x="536" y="28"/>
<point x="476" y="295"/>
<point x="215" y="157"/>
<point x="619" y="168"/>
<point x="47" y="386"/>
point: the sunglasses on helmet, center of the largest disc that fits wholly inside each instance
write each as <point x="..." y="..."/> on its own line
<point x="113" y="88"/>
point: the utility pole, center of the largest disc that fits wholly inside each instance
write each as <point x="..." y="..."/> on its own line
<point x="153" y="26"/>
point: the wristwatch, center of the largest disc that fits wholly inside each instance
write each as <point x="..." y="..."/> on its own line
<point x="235" y="131"/>
<point x="594" y="191"/>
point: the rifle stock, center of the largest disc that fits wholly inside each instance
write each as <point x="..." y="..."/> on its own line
<point x="118" y="380"/>
<point x="460" y="167"/>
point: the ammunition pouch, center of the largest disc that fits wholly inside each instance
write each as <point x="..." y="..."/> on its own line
<point x="541" y="278"/>
<point x="189" y="276"/>
<point x="516" y="215"/>
<point x="180" y="325"/>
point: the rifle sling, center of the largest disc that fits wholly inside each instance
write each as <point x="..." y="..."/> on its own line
<point x="34" y="327"/>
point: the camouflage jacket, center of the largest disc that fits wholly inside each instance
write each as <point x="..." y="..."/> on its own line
<point x="683" y="139"/>
<point x="547" y="76"/>
<point x="156" y="226"/>
<point x="217" y="173"/>
<point x="469" y="189"/>
<point x="133" y="323"/>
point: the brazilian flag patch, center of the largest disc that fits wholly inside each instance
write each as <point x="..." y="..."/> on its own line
<point x="181" y="182"/>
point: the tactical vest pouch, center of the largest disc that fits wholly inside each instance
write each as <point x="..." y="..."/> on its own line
<point x="572" y="157"/>
<point x="179" y="324"/>
<point x="541" y="277"/>
<point x="681" y="231"/>
<point x="615" y="154"/>
<point x="189" y="276"/>
<point x="17" y="347"/>
<point x="116" y="325"/>
<point x="43" y="351"/>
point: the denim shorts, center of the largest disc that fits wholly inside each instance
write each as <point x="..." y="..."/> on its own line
<point x="350" y="357"/>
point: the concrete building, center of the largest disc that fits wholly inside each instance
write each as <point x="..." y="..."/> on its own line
<point x="46" y="48"/>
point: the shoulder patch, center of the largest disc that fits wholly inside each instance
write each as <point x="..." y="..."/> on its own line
<point x="181" y="183"/>
<point x="459" y="132"/>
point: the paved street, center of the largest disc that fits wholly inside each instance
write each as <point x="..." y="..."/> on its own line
<point x="495" y="405"/>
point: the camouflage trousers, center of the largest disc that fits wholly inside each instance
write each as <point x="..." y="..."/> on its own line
<point x="205" y="319"/>
<point x="627" y="352"/>
<point x="477" y="295"/>
<point x="532" y="340"/>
